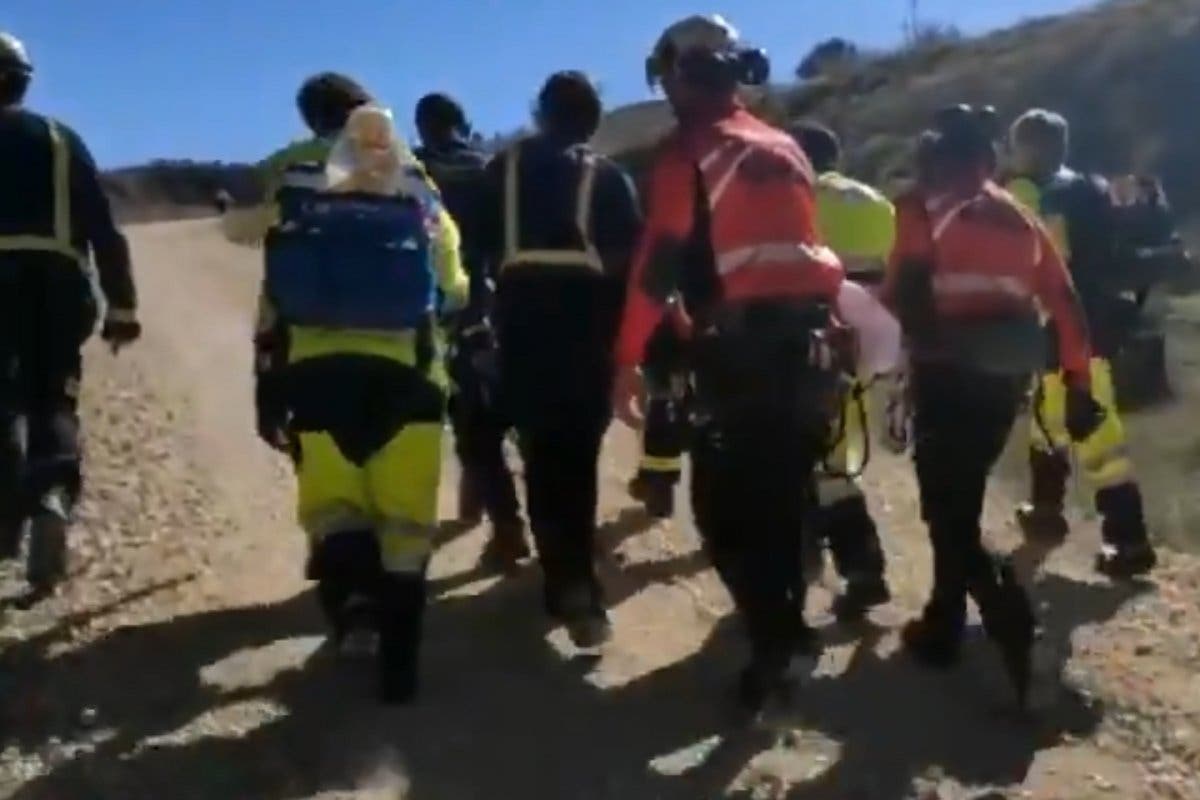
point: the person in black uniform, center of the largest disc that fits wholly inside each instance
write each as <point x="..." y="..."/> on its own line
<point x="53" y="215"/>
<point x="486" y="483"/>
<point x="561" y="226"/>
<point x="665" y="432"/>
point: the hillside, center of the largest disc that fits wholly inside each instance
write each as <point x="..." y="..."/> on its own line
<point x="1125" y="73"/>
<point x="164" y="190"/>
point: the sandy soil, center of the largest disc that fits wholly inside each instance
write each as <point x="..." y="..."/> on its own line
<point x="183" y="659"/>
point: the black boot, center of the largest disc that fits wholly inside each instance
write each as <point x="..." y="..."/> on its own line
<point x="506" y="547"/>
<point x="932" y="639"/>
<point x="470" y="499"/>
<point x="581" y="611"/>
<point x="1041" y="519"/>
<point x="12" y="531"/>
<point x="1126" y="552"/>
<point x="46" y="564"/>
<point x="858" y="555"/>
<point x="655" y="491"/>
<point x="1009" y="621"/>
<point x="401" y="603"/>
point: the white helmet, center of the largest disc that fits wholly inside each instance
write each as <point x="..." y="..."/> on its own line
<point x="703" y="42"/>
<point x="13" y="55"/>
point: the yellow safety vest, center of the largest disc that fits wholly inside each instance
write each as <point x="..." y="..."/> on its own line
<point x="60" y="243"/>
<point x="514" y="256"/>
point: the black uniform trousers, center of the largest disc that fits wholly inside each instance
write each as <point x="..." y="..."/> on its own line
<point x="561" y="458"/>
<point x="479" y="431"/>
<point x="962" y="420"/>
<point x="762" y="420"/>
<point x="47" y="311"/>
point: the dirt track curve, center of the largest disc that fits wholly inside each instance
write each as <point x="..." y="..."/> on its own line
<point x="182" y="659"/>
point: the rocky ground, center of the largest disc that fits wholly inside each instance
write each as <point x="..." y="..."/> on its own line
<point x="183" y="658"/>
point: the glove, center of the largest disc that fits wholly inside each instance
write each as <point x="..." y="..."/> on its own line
<point x="270" y="414"/>
<point x="1084" y="414"/>
<point x="120" y="333"/>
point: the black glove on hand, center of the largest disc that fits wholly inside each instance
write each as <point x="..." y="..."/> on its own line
<point x="1084" y="414"/>
<point x="270" y="413"/>
<point x="120" y="333"/>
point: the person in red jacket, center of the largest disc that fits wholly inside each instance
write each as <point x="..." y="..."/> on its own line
<point x="731" y="228"/>
<point x="968" y="273"/>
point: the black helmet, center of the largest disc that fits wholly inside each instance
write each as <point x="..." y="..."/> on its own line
<point x="707" y="51"/>
<point x="13" y="56"/>
<point x="965" y="132"/>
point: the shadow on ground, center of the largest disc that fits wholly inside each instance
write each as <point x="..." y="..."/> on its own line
<point x="502" y="714"/>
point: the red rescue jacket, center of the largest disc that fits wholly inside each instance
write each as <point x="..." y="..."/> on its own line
<point x="762" y="231"/>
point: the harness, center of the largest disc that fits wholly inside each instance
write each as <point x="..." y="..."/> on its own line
<point x="587" y="257"/>
<point x="60" y="242"/>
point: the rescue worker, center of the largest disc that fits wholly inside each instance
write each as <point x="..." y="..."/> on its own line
<point x="731" y="226"/>
<point x="486" y="483"/>
<point x="355" y="390"/>
<point x="967" y="275"/>
<point x="1079" y="212"/>
<point x="54" y="219"/>
<point x="665" y="431"/>
<point x="561" y="226"/>
<point x="857" y="223"/>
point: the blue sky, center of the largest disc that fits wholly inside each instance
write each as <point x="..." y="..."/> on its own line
<point x="210" y="79"/>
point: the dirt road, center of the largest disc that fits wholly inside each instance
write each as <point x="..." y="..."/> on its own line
<point x="182" y="659"/>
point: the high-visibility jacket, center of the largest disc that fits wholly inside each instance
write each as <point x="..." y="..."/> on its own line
<point x="747" y="190"/>
<point x="856" y="222"/>
<point x="53" y="208"/>
<point x="989" y="258"/>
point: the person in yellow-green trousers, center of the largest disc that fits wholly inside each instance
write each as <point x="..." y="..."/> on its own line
<point x="350" y="380"/>
<point x="1079" y="212"/>
<point x="857" y="223"/>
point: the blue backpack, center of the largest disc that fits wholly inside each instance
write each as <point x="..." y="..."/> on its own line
<point x="350" y="260"/>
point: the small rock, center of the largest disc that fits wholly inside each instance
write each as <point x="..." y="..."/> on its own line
<point x="1143" y="650"/>
<point x="88" y="717"/>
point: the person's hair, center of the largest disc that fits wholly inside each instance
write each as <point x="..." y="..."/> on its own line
<point x="1048" y="131"/>
<point x="965" y="138"/>
<point x="14" y="83"/>
<point x="569" y="104"/>
<point x="820" y="144"/>
<point x="439" y="115"/>
<point x="326" y="101"/>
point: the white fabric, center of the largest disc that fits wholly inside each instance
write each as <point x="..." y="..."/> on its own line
<point x="878" y="331"/>
<point x="369" y="155"/>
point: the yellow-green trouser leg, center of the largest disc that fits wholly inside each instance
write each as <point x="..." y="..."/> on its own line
<point x="393" y="496"/>
<point x="1103" y="457"/>
<point x="844" y="521"/>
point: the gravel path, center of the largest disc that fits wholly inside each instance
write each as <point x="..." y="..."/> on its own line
<point x="183" y="658"/>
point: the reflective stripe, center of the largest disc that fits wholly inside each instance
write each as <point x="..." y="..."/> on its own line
<point x="956" y="284"/>
<point x="722" y="184"/>
<point x="60" y="242"/>
<point x="514" y="256"/>
<point x="340" y="519"/>
<point x="661" y="463"/>
<point x="304" y="176"/>
<point x="404" y="546"/>
<point x="775" y="253"/>
<point x="121" y="315"/>
<point x="834" y="490"/>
